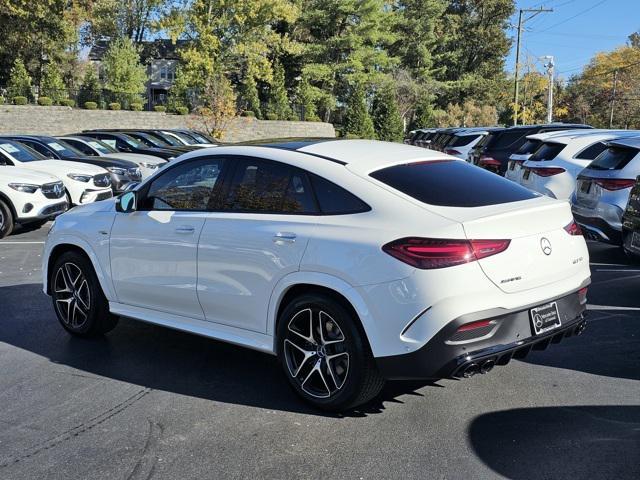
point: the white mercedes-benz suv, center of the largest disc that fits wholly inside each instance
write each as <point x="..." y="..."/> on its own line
<point x="353" y="261"/>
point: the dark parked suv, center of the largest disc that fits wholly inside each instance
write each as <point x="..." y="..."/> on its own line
<point x="631" y="223"/>
<point x="493" y="152"/>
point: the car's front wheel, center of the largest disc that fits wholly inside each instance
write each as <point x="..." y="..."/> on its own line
<point x="78" y="300"/>
<point x="325" y="355"/>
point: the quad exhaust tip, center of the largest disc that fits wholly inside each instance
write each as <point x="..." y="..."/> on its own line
<point x="473" y="368"/>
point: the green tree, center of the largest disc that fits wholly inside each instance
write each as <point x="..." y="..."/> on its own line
<point x="90" y="90"/>
<point x="424" y="114"/>
<point x="357" y="120"/>
<point x="19" y="83"/>
<point x="249" y="95"/>
<point x="386" y="117"/>
<point x="307" y="98"/>
<point x="125" y="75"/>
<point x="52" y="85"/>
<point x="278" y="100"/>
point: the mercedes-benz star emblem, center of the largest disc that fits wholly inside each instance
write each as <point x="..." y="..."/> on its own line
<point x="545" y="244"/>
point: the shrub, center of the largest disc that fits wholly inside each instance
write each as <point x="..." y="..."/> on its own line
<point x="115" y="106"/>
<point x="248" y="113"/>
<point x="272" y="116"/>
<point x="45" y="101"/>
<point x="136" y="107"/>
<point x="68" y="102"/>
<point x="1" y="100"/>
<point x="159" y="108"/>
<point x="90" y="105"/>
<point x="19" y="100"/>
<point x="182" y="110"/>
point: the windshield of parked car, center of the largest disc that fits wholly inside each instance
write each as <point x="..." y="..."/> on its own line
<point x="148" y="139"/>
<point x="20" y="152"/>
<point x="528" y="147"/>
<point x="547" y="151"/>
<point x="132" y="142"/>
<point x="184" y="137"/>
<point x="64" y="149"/>
<point x="452" y="183"/>
<point x="101" y="147"/>
<point x="614" y="158"/>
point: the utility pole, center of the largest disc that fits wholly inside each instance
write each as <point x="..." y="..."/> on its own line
<point x="549" y="66"/>
<point x="613" y="97"/>
<point x="521" y="22"/>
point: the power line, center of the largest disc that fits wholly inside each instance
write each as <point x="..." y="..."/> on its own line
<point x="571" y="18"/>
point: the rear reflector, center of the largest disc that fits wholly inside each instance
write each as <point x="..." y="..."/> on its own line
<point x="582" y="295"/>
<point x="547" y="171"/>
<point x="614" y="183"/>
<point x="474" y="325"/>
<point x="573" y="229"/>
<point x="430" y="253"/>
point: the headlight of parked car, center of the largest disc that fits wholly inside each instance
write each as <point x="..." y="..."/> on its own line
<point x="25" y="187"/>
<point x="151" y="166"/>
<point x="117" y="170"/>
<point x="79" y="177"/>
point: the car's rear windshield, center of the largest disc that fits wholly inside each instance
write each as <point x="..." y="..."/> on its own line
<point x="508" y="137"/>
<point x="484" y="141"/>
<point x="547" y="151"/>
<point x="528" y="147"/>
<point x="451" y="183"/>
<point x="614" y="158"/>
<point x="462" y="140"/>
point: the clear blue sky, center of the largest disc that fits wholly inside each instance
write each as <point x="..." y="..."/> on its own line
<point x="575" y="31"/>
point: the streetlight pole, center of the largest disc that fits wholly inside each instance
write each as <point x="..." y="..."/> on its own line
<point x="521" y="22"/>
<point x="549" y="66"/>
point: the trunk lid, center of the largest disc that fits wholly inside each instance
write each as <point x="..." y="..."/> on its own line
<point x="541" y="250"/>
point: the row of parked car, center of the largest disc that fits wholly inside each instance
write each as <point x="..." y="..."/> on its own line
<point x="597" y="170"/>
<point x="42" y="176"/>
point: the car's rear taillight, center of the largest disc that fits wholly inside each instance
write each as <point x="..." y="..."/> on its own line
<point x="573" y="229"/>
<point x="451" y="151"/>
<point x="429" y="253"/>
<point x="582" y="295"/>
<point x="614" y="183"/>
<point x="547" y="171"/>
<point x="488" y="161"/>
<point x="475" y="325"/>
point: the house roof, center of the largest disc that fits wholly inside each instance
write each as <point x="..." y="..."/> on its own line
<point x="160" y="49"/>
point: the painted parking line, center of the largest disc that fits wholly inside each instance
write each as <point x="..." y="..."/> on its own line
<point x="612" y="307"/>
<point x="617" y="270"/>
<point x="608" y="264"/>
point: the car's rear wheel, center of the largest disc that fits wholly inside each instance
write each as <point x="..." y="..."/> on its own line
<point x="78" y="300"/>
<point x="6" y="220"/>
<point x="324" y="354"/>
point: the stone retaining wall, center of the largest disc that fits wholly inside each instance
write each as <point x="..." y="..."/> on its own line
<point x="34" y="119"/>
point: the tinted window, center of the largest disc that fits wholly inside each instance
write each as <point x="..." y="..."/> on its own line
<point x="528" y="147"/>
<point x="20" y="152"/>
<point x="509" y="138"/>
<point x="462" y="140"/>
<point x="269" y="187"/>
<point x="452" y="183"/>
<point x="167" y="139"/>
<point x="591" y="152"/>
<point x="547" y="151"/>
<point x="614" y="158"/>
<point x="81" y="147"/>
<point x="63" y="149"/>
<point x="188" y="186"/>
<point x="146" y="140"/>
<point x="335" y="200"/>
<point x="41" y="149"/>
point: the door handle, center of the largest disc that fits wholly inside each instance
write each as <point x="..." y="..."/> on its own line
<point x="185" y="229"/>
<point x="282" y="237"/>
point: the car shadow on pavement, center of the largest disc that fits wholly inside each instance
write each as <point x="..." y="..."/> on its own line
<point x="560" y="442"/>
<point x="161" y="359"/>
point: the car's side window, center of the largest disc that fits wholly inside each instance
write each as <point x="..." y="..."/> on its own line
<point x="264" y="186"/>
<point x="590" y="153"/>
<point x="81" y="146"/>
<point x="187" y="186"/>
<point x="39" y="148"/>
<point x="335" y="200"/>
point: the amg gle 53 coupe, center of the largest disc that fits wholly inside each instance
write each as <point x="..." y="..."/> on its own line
<point x="353" y="261"/>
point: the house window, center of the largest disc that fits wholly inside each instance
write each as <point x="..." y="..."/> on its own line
<point x="167" y="73"/>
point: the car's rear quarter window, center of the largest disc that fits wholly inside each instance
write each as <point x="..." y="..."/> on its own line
<point x="452" y="183"/>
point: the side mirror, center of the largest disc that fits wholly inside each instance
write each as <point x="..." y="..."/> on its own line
<point x="126" y="203"/>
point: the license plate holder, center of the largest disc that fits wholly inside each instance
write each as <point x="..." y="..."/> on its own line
<point x="527" y="174"/>
<point x="545" y="318"/>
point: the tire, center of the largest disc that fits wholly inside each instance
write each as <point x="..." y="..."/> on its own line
<point x="331" y="368"/>
<point x="6" y="220"/>
<point x="78" y="300"/>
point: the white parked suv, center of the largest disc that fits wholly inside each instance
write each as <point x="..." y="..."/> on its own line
<point x="353" y="261"/>
<point x="83" y="183"/>
<point x="554" y="167"/>
<point x="28" y="197"/>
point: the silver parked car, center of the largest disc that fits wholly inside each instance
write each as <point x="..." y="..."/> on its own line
<point x="603" y="188"/>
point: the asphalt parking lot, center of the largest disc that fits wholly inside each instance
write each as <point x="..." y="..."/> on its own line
<point x="148" y="402"/>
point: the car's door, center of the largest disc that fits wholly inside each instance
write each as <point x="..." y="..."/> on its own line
<point x="154" y="249"/>
<point x="259" y="235"/>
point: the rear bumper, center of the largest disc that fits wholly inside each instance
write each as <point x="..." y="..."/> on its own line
<point x="595" y="228"/>
<point x="513" y="337"/>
